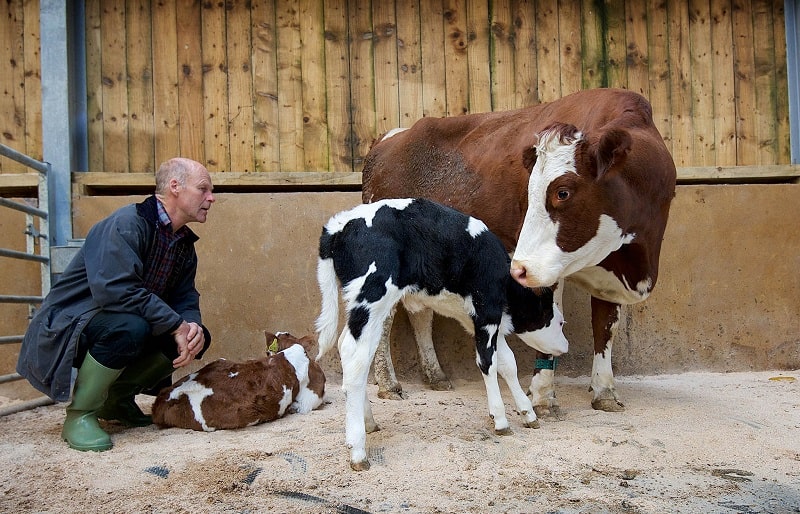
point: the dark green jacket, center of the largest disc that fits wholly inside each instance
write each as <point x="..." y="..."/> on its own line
<point x="106" y="274"/>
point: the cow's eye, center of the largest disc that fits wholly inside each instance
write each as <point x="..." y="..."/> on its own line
<point x="562" y="195"/>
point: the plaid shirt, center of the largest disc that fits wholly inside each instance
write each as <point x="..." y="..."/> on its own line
<point x="161" y="261"/>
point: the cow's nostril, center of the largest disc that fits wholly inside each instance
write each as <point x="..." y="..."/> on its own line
<point x="518" y="272"/>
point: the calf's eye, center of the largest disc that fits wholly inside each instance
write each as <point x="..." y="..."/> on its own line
<point x="562" y="195"/>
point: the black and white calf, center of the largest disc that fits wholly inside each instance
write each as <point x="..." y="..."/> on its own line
<point x="425" y="255"/>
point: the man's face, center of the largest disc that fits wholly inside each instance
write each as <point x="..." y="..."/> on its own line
<point x="196" y="197"/>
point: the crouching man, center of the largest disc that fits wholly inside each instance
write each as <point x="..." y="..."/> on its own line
<point x="125" y="313"/>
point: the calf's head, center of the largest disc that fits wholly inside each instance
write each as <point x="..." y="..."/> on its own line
<point x="574" y="201"/>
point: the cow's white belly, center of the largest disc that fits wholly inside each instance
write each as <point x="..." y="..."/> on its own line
<point x="446" y="304"/>
<point x="603" y="284"/>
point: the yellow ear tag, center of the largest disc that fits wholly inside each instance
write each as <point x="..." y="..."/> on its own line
<point x="273" y="347"/>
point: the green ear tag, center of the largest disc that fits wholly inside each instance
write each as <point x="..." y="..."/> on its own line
<point x="274" y="346"/>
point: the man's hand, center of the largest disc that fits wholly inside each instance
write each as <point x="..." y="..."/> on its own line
<point x="190" y="340"/>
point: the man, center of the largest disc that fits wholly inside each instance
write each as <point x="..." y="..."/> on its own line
<point x="125" y="312"/>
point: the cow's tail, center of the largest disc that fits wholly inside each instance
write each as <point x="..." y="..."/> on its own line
<point x="328" y="320"/>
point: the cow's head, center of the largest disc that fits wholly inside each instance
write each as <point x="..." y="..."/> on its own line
<point x="574" y="200"/>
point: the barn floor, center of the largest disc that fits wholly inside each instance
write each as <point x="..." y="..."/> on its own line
<point x="697" y="442"/>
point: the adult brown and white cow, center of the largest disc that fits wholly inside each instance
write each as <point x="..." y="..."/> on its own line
<point x="590" y="177"/>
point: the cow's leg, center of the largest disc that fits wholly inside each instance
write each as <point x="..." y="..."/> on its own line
<point x="605" y="319"/>
<point x="422" y="322"/>
<point x="507" y="367"/>
<point x="388" y="386"/>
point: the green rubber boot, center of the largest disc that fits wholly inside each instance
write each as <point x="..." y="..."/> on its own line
<point x="81" y="429"/>
<point x="142" y="374"/>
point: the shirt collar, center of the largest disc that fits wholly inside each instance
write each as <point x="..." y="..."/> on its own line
<point x="165" y="221"/>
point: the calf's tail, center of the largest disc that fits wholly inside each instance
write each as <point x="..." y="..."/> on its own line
<point x="328" y="320"/>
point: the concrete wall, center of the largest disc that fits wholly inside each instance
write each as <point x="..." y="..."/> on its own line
<point x="727" y="299"/>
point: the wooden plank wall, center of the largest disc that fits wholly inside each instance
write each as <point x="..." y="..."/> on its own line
<point x="307" y="85"/>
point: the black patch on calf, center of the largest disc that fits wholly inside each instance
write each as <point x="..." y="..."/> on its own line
<point x="358" y="318"/>
<point x="530" y="310"/>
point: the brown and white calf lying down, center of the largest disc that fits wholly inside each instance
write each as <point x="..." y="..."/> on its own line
<point x="225" y="394"/>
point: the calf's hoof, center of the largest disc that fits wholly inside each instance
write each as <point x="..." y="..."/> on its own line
<point x="359" y="466"/>
<point x="503" y="431"/>
<point x="371" y="426"/>
<point x="533" y="424"/>
<point x="608" y="405"/>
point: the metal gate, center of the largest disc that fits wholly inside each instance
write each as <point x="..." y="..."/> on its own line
<point x="35" y="238"/>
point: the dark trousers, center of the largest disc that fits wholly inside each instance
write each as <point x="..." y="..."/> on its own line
<point x="117" y="339"/>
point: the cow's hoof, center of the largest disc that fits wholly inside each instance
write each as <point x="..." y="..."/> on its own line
<point x="360" y="466"/>
<point x="371" y="427"/>
<point x="441" y="385"/>
<point x="503" y="431"/>
<point x="533" y="424"/>
<point x="392" y="394"/>
<point x="608" y="405"/>
<point x="549" y="412"/>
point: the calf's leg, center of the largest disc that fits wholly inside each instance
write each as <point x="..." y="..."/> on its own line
<point x="507" y="367"/>
<point x="487" y="362"/>
<point x="356" y="356"/>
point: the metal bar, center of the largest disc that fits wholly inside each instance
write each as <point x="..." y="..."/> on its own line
<point x="8" y="298"/>
<point x="30" y="404"/>
<point x="23" y="159"/>
<point x="792" y="26"/>
<point x="11" y="204"/>
<point x="11" y="339"/>
<point x="14" y="254"/>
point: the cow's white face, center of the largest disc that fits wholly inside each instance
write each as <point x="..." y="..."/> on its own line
<point x="565" y="228"/>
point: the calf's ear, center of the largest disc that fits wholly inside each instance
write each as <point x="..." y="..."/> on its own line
<point x="612" y="149"/>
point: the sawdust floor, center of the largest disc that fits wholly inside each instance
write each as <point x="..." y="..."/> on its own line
<point x="695" y="442"/>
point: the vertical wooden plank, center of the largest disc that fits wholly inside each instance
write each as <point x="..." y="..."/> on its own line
<point x="409" y="62"/>
<point x="764" y="80"/>
<point x="265" y="87"/>
<point x="12" y="93"/>
<point x="166" y="117"/>
<point x="783" y="135"/>
<point x="337" y="73"/>
<point x="744" y="83"/>
<point x="592" y="50"/>
<point x="680" y="85"/>
<point x="455" y="55"/>
<point x="290" y="88"/>
<point x="140" y="87"/>
<point x="570" y="46"/>
<point x="502" y="59"/>
<point x="478" y="51"/>
<point x="362" y="84"/>
<point x="190" y="79"/>
<point x="315" y="121"/>
<point x="434" y="94"/>
<point x="240" y="86"/>
<point x="384" y="37"/>
<point x="702" y="83"/>
<point x="658" y="49"/>
<point x="94" y="86"/>
<point x="215" y="87"/>
<point x="615" y="43"/>
<point x="33" y="80"/>
<point x="526" y="55"/>
<point x="115" y="87"/>
<point x="549" y="62"/>
<point x="723" y="77"/>
<point x="638" y="60"/>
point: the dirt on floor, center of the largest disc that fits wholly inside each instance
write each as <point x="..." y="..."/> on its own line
<point x="695" y="442"/>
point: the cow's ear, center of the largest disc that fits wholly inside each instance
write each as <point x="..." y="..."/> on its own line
<point x="612" y="149"/>
<point x="529" y="158"/>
